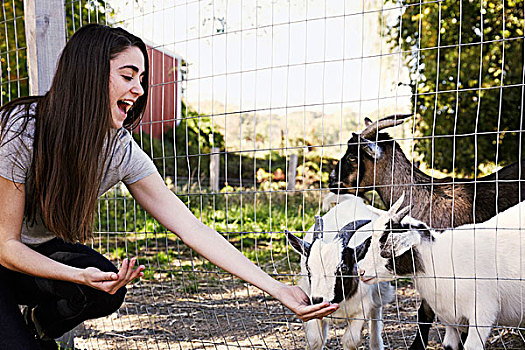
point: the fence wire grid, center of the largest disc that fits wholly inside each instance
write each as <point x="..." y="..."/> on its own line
<point x="252" y="105"/>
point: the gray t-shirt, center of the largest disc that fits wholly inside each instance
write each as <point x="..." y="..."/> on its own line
<point x="127" y="162"/>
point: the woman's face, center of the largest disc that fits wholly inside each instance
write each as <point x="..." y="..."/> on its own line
<point x="126" y="73"/>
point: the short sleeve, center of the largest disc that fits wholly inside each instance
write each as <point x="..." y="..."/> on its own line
<point x="136" y="164"/>
<point x="15" y="156"/>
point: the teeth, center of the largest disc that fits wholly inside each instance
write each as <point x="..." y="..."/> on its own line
<point x="127" y="102"/>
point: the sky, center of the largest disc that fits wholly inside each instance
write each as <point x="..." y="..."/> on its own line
<point x="276" y="54"/>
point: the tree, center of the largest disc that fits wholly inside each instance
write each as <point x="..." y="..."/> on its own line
<point x="466" y="63"/>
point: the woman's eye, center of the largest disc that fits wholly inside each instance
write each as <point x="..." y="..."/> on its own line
<point x="128" y="78"/>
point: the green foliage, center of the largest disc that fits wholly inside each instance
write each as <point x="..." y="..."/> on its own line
<point x="253" y="221"/>
<point x="183" y="155"/>
<point x="14" y="81"/>
<point x="475" y="47"/>
<point x="81" y="12"/>
<point x="14" y="77"/>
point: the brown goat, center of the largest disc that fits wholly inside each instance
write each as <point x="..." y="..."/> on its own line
<point x="379" y="164"/>
<point x="374" y="161"/>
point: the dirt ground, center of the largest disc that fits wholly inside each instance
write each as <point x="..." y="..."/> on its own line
<point x="227" y="316"/>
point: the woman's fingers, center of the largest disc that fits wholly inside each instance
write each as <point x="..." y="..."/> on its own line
<point x="111" y="282"/>
<point x="130" y="271"/>
<point x="109" y="276"/>
<point x="95" y="275"/>
<point x="123" y="269"/>
<point x="137" y="272"/>
<point x="127" y="273"/>
<point x="317" y="311"/>
<point x="296" y="300"/>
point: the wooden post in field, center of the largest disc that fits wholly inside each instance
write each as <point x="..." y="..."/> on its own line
<point x="292" y="172"/>
<point x="214" y="169"/>
<point x="46" y="37"/>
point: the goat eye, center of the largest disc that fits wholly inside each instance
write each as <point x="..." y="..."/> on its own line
<point x="350" y="159"/>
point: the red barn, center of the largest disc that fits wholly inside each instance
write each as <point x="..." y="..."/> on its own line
<point x="163" y="110"/>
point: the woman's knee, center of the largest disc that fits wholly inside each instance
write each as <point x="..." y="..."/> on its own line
<point x="109" y="303"/>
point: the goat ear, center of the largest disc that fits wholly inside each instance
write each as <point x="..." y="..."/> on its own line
<point x="404" y="241"/>
<point x="352" y="140"/>
<point x="318" y="228"/>
<point x="372" y="149"/>
<point x="299" y="245"/>
<point x="349" y="229"/>
<point x="354" y="225"/>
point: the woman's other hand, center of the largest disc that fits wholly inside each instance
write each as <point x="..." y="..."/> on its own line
<point x="294" y="298"/>
<point x="110" y="282"/>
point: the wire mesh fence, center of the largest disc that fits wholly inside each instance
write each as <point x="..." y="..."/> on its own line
<point x="238" y="89"/>
<point x="14" y="77"/>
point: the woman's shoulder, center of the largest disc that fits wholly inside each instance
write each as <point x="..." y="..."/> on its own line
<point x="19" y="120"/>
<point x="16" y="142"/>
<point x="124" y="135"/>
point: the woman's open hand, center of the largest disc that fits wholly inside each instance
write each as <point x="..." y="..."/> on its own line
<point x="294" y="298"/>
<point x="110" y="282"/>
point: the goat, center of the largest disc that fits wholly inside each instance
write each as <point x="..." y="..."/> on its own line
<point x="477" y="282"/>
<point x="381" y="165"/>
<point x="374" y="161"/>
<point x="332" y="276"/>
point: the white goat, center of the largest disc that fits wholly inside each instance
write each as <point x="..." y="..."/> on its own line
<point x="330" y="267"/>
<point x="471" y="279"/>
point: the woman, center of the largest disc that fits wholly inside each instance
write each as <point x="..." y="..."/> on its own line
<point x="58" y="153"/>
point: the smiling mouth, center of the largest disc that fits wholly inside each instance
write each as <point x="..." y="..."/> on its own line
<point x="124" y="106"/>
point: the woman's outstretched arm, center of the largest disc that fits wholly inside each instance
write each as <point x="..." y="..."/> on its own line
<point x="16" y="256"/>
<point x="153" y="195"/>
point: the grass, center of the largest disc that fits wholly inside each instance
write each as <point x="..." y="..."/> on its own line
<point x="253" y="220"/>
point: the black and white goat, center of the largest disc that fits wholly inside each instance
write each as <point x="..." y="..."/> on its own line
<point x="472" y="276"/>
<point x="330" y="267"/>
<point x="374" y="161"/>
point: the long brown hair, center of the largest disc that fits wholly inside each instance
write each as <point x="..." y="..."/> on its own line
<point x="72" y="137"/>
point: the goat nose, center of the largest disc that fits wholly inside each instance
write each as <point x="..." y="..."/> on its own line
<point x="317" y="300"/>
<point x="361" y="272"/>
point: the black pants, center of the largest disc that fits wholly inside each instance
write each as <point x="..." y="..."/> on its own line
<point x="59" y="306"/>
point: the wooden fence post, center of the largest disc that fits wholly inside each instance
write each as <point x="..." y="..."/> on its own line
<point x="46" y="37"/>
<point x="214" y="169"/>
<point x="292" y="172"/>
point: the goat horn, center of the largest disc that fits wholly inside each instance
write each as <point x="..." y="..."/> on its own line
<point x="395" y="207"/>
<point x="401" y="214"/>
<point x="386" y="122"/>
